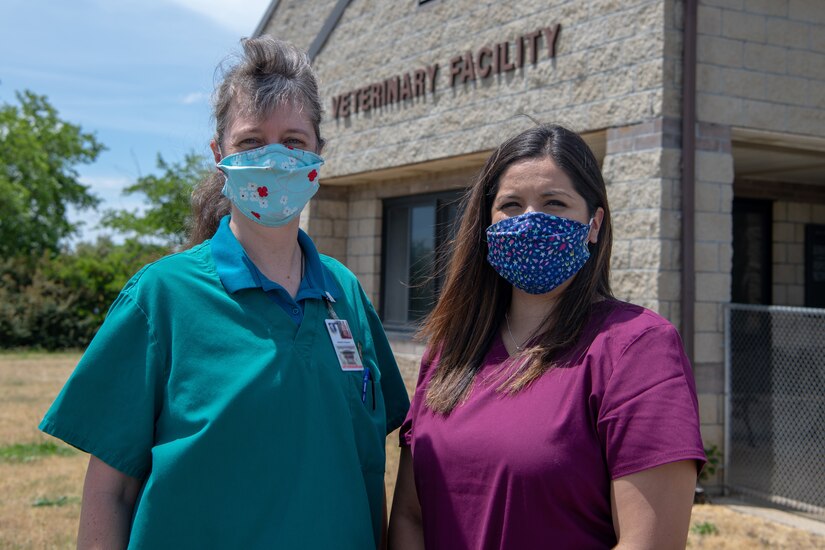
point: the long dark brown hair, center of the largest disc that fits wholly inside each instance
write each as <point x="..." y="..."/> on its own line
<point x="267" y="74"/>
<point x="474" y="299"/>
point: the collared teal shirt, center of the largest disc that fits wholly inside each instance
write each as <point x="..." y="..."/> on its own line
<point x="239" y="421"/>
<point x="238" y="272"/>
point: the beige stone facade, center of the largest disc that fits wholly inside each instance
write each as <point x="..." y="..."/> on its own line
<point x="789" y="220"/>
<point x="610" y="69"/>
<point x="760" y="84"/>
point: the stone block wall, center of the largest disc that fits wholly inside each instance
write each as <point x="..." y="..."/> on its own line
<point x="762" y="64"/>
<point x="607" y="71"/>
<point x="713" y="256"/>
<point x="327" y="221"/>
<point x="789" y="220"/>
<point x="641" y="169"/>
<point x="299" y="22"/>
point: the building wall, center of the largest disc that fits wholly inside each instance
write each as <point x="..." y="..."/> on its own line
<point x="607" y="71"/>
<point x="328" y="221"/>
<point x="761" y="66"/>
<point x="713" y="251"/>
<point x="789" y="220"/>
<point x="641" y="169"/>
<point x="300" y="21"/>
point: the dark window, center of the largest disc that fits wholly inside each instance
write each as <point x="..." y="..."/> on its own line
<point x="752" y="265"/>
<point x="814" y="265"/>
<point x="416" y="232"/>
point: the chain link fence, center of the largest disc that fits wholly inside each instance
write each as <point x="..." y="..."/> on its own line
<point x="775" y="404"/>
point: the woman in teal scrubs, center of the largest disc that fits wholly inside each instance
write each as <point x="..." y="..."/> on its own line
<point x="239" y="393"/>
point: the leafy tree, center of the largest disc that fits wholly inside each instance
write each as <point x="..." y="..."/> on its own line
<point x="38" y="152"/>
<point x="166" y="217"/>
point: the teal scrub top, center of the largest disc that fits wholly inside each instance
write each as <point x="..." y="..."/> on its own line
<point x="241" y="422"/>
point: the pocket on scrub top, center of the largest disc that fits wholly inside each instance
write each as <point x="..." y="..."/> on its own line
<point x="366" y="403"/>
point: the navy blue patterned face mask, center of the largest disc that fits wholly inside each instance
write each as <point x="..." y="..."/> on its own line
<point x="537" y="252"/>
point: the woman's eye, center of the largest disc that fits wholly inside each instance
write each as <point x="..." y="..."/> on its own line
<point x="556" y="203"/>
<point x="509" y="204"/>
<point x="249" y="143"/>
<point x="294" y="142"/>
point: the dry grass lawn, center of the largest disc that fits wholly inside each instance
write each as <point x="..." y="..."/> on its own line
<point x="40" y="487"/>
<point x="39" y="495"/>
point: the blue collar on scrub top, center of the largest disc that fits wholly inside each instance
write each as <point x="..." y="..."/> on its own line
<point x="237" y="272"/>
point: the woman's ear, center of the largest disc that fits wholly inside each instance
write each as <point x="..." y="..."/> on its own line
<point x="216" y="150"/>
<point x="598" y="217"/>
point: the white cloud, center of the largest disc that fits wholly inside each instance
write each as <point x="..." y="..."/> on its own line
<point x="106" y="183"/>
<point x="194" y="97"/>
<point x="240" y="16"/>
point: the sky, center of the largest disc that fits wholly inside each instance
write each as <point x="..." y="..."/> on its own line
<point x="137" y="74"/>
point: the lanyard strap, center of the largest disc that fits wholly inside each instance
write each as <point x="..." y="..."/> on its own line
<point x="329" y="300"/>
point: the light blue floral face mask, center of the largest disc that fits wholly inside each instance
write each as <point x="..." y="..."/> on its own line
<point x="271" y="184"/>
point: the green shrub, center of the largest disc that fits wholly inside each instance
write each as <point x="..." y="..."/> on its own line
<point x="714" y="459"/>
<point x="59" y="301"/>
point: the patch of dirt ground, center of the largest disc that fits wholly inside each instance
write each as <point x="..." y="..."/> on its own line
<point x="736" y="530"/>
<point x="40" y="497"/>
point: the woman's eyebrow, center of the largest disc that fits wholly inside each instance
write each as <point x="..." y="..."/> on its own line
<point x="551" y="192"/>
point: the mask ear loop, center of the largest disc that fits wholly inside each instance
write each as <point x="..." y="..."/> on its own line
<point x="218" y="146"/>
<point x="217" y="164"/>
<point x="589" y="229"/>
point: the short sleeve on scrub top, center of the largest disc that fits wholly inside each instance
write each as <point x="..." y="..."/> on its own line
<point x="121" y="390"/>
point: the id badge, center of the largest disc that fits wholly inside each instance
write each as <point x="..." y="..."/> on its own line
<point x="345" y="348"/>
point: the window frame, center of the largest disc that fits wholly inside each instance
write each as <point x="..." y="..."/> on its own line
<point x="441" y="200"/>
